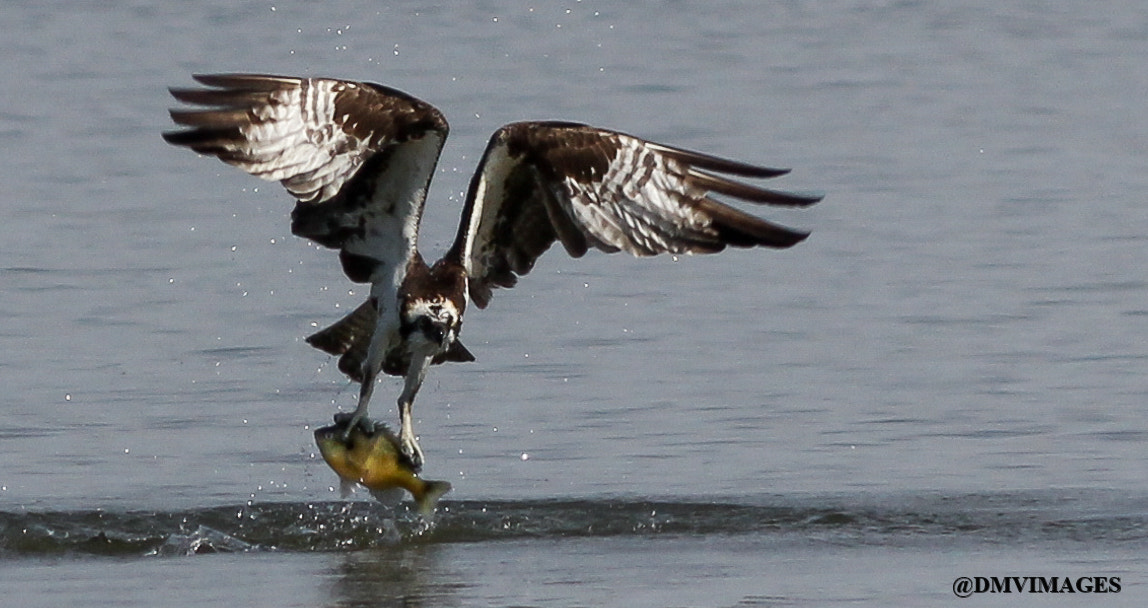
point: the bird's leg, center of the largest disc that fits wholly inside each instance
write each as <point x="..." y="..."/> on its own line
<point x="411" y="384"/>
<point x="360" y="415"/>
<point x="410" y="443"/>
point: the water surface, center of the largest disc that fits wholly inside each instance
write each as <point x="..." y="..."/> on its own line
<point x="945" y="380"/>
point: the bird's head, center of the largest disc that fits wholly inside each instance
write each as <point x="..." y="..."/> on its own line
<point x="436" y="321"/>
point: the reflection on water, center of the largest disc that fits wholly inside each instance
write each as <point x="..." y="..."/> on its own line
<point x="407" y="576"/>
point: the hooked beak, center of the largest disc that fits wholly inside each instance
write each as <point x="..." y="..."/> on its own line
<point x="439" y="333"/>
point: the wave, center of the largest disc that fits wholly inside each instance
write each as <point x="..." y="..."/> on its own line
<point x="356" y="525"/>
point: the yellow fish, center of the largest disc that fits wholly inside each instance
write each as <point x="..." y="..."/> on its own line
<point x="370" y="455"/>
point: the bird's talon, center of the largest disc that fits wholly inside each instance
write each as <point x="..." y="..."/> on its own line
<point x="413" y="453"/>
<point x="350" y="421"/>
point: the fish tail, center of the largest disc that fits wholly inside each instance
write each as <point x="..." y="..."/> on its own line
<point x="428" y="498"/>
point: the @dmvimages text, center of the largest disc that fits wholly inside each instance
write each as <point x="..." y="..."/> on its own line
<point x="967" y="586"/>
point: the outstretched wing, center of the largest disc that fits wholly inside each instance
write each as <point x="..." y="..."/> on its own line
<point x="358" y="157"/>
<point x="587" y="187"/>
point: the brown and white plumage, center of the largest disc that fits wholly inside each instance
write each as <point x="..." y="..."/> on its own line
<point x="588" y="187"/>
<point x="359" y="157"/>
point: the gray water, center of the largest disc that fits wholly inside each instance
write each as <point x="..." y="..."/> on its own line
<point x="945" y="380"/>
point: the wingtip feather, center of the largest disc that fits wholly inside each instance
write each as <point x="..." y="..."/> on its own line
<point x="259" y="82"/>
<point x="741" y="229"/>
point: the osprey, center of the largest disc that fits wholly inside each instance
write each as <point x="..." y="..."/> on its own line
<point x="358" y="158"/>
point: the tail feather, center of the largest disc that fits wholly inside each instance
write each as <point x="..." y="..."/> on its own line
<point x="457" y="353"/>
<point x="349" y="338"/>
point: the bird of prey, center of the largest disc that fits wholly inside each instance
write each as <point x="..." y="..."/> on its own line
<point x="358" y="158"/>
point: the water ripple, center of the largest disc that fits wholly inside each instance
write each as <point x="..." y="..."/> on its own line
<point x="342" y="526"/>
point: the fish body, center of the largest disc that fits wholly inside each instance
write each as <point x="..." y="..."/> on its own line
<point x="371" y="456"/>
